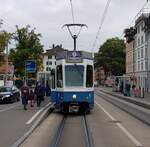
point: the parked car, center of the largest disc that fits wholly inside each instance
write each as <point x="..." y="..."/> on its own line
<point x="9" y="94"/>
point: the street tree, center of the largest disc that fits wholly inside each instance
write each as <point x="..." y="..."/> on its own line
<point x="28" y="47"/>
<point x="5" y="38"/>
<point x="111" y="56"/>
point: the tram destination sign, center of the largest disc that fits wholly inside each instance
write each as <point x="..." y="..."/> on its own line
<point x="74" y="56"/>
<point x="30" y="66"/>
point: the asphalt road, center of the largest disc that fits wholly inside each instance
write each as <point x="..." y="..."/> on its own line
<point x="15" y="122"/>
<point x="109" y="125"/>
<point x="125" y="131"/>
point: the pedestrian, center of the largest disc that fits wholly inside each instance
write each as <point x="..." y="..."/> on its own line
<point x="24" y="95"/>
<point x="134" y="90"/>
<point x="48" y="90"/>
<point x="42" y="91"/>
<point x="31" y="98"/>
<point x="127" y="88"/>
<point x="39" y="94"/>
<point x="121" y="87"/>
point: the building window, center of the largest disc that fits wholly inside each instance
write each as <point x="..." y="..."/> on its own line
<point x="138" y="53"/>
<point x="142" y="52"/>
<point x="141" y="66"/>
<point x="138" y="41"/>
<point x="49" y="57"/>
<point x="49" y="63"/>
<point x="138" y="65"/>
<point x="48" y="69"/>
<point x="138" y="29"/>
<point x="146" y="65"/>
<point x="146" y="52"/>
<point x="142" y="40"/>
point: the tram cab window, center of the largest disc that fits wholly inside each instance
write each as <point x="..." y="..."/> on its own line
<point x="53" y="78"/>
<point x="59" y="76"/>
<point x="89" y="76"/>
<point x="74" y="75"/>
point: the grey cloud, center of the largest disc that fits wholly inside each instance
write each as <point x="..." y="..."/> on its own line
<point x="49" y="15"/>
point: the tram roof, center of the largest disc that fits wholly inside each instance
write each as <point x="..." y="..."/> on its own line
<point x="74" y="54"/>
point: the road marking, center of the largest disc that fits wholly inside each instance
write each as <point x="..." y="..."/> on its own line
<point x="128" y="134"/>
<point x="36" y="114"/>
<point x="11" y="107"/>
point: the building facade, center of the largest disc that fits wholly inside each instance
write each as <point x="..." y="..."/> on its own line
<point x="142" y="51"/>
<point x="138" y="51"/>
<point x="129" y="58"/>
<point x="49" y="58"/>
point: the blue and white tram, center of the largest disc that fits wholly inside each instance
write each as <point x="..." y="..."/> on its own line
<point x="72" y="82"/>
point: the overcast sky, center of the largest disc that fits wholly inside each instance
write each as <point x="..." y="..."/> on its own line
<point x="48" y="16"/>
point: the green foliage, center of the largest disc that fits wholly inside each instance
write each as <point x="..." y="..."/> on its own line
<point x="28" y="46"/>
<point x="111" y="56"/>
<point x="4" y="40"/>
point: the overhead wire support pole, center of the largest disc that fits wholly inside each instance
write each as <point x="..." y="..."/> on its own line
<point x="72" y="15"/>
<point x="75" y="36"/>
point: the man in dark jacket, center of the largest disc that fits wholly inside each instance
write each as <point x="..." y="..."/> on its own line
<point x="39" y="93"/>
<point x="24" y="95"/>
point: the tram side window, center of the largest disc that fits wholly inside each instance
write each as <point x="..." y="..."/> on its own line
<point x="53" y="78"/>
<point x="89" y="76"/>
<point x="59" y="76"/>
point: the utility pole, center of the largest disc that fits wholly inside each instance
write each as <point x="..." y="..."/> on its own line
<point x="6" y="61"/>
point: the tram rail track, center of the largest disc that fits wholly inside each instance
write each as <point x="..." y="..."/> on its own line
<point x="88" y="140"/>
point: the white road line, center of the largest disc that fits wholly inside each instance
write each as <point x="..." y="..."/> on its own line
<point x="9" y="108"/>
<point x="35" y="115"/>
<point x="130" y="136"/>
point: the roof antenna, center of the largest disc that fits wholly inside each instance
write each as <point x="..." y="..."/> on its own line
<point x="74" y="36"/>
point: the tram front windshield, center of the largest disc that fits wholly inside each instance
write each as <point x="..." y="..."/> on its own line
<point x="74" y="75"/>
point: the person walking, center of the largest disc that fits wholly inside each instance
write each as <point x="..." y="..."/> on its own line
<point x="24" y="95"/>
<point x="43" y="89"/>
<point x="48" y="90"/>
<point x="38" y="94"/>
<point x="31" y="98"/>
<point x="127" y="87"/>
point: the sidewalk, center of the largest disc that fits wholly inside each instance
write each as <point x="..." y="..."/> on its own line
<point x="145" y="99"/>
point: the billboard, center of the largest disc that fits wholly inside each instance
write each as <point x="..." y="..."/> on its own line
<point x="30" y="66"/>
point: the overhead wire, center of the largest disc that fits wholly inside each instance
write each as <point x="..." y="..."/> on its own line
<point x="138" y="13"/>
<point x="132" y="21"/>
<point x="101" y="23"/>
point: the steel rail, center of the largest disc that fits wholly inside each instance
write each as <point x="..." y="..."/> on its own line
<point x="58" y="134"/>
<point x="88" y="136"/>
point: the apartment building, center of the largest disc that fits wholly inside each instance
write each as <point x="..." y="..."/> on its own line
<point x="138" y="51"/>
<point x="49" y="58"/>
<point x="142" y="51"/>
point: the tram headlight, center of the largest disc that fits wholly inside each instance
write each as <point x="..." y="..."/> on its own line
<point x="74" y="96"/>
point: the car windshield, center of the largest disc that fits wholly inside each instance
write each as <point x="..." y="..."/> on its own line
<point x="74" y="75"/>
<point x="5" y="89"/>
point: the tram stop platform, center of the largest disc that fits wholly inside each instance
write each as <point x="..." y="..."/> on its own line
<point x="145" y="102"/>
